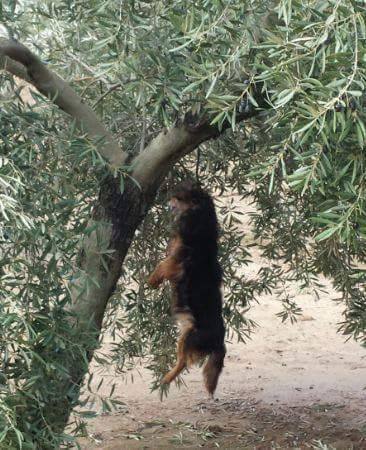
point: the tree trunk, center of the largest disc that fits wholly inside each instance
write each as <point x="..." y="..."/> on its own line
<point x="114" y="222"/>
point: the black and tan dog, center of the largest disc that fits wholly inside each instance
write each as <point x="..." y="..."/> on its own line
<point x="195" y="274"/>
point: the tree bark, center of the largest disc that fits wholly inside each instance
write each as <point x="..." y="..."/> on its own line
<point x="115" y="220"/>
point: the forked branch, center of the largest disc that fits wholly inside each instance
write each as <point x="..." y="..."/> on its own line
<point x="171" y="145"/>
<point x="151" y="165"/>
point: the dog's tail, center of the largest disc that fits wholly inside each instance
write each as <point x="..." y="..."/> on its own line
<point x="212" y="370"/>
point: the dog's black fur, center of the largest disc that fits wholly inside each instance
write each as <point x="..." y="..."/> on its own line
<point x="196" y="282"/>
<point x="199" y="288"/>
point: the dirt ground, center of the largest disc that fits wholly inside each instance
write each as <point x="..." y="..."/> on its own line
<point x="291" y="386"/>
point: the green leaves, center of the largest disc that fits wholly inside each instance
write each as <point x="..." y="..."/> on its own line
<point x="326" y="234"/>
<point x="301" y="161"/>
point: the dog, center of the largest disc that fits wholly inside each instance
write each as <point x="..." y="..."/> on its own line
<point x="192" y="268"/>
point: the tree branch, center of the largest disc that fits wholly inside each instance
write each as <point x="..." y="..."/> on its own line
<point x="171" y="145"/>
<point x="107" y="92"/>
<point x="13" y="67"/>
<point x="158" y="157"/>
<point x="20" y="61"/>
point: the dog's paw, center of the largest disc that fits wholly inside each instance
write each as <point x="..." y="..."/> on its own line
<point x="153" y="281"/>
<point x="167" y="379"/>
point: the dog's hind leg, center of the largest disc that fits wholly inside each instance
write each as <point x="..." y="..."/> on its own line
<point x="212" y="370"/>
<point x="180" y="365"/>
<point x="176" y="370"/>
<point x="186" y="323"/>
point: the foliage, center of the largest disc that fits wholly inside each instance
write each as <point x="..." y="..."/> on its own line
<point x="142" y="65"/>
<point x="311" y="179"/>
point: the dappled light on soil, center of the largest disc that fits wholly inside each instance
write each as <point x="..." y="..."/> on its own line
<point x="290" y="386"/>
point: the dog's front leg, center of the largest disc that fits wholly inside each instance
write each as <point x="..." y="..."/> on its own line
<point x="157" y="277"/>
<point x="168" y="269"/>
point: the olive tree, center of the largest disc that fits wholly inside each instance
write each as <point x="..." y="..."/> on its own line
<point x="263" y="99"/>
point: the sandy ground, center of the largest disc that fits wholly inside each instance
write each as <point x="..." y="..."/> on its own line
<point x="288" y="387"/>
<point x="292" y="386"/>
